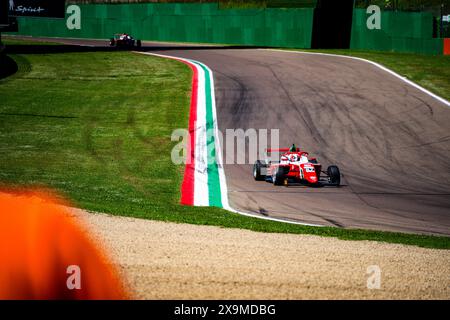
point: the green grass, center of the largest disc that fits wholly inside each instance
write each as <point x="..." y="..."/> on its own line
<point x="431" y="72"/>
<point x="16" y="41"/>
<point x="96" y="127"/>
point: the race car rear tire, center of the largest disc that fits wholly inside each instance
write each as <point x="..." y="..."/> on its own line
<point x="278" y="177"/>
<point x="112" y="42"/>
<point x="257" y="171"/>
<point x="138" y="43"/>
<point x="334" y="175"/>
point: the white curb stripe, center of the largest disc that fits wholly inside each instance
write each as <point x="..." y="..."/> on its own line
<point x="219" y="152"/>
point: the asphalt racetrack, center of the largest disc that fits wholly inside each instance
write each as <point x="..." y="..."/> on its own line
<point x="390" y="140"/>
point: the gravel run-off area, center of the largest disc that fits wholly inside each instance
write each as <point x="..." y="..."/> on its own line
<point x="178" y="261"/>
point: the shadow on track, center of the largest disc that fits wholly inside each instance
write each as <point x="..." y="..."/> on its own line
<point x="69" y="48"/>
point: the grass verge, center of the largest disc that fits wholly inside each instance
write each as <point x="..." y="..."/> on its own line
<point x="96" y="126"/>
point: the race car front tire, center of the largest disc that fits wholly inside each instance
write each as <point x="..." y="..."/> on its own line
<point x="278" y="177"/>
<point x="334" y="175"/>
<point x="257" y="171"/>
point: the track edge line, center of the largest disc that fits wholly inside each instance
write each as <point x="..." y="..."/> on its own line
<point x="376" y="64"/>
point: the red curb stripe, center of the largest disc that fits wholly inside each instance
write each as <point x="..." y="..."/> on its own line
<point x="187" y="187"/>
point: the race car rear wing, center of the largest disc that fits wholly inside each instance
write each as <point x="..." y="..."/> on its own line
<point x="281" y="150"/>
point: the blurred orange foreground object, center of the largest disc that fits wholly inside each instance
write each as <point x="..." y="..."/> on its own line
<point x="45" y="254"/>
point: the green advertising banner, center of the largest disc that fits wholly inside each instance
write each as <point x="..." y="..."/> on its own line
<point x="399" y="31"/>
<point x="208" y="23"/>
<point x="203" y="23"/>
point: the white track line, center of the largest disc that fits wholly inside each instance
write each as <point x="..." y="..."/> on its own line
<point x="404" y="79"/>
<point x="222" y="177"/>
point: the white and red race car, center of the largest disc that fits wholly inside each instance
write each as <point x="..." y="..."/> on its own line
<point x="295" y="166"/>
<point x="124" y="40"/>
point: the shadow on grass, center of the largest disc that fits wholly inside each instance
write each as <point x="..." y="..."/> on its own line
<point x="8" y="66"/>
